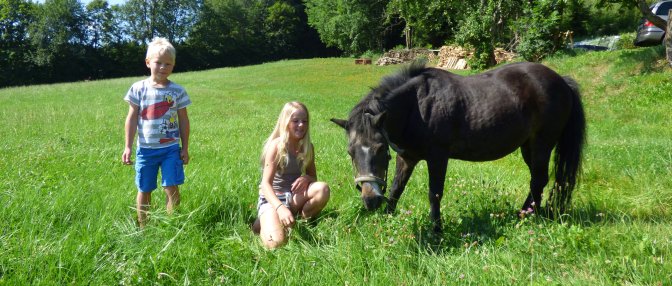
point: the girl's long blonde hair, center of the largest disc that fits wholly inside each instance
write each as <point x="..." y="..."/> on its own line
<point x="281" y="130"/>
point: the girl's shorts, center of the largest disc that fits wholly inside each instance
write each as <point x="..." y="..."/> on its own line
<point x="147" y="164"/>
<point x="263" y="205"/>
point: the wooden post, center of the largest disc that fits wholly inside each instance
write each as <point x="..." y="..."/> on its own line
<point x="668" y="38"/>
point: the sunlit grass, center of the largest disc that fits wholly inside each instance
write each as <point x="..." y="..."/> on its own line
<point x="67" y="203"/>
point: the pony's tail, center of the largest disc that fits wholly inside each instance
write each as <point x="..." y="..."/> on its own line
<point x="568" y="152"/>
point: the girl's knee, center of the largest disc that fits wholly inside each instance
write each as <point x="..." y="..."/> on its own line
<point x="273" y="239"/>
<point x="322" y="191"/>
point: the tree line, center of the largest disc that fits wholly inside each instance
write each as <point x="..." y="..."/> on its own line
<point x="65" y="40"/>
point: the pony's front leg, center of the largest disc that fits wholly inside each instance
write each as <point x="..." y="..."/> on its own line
<point x="437" y="174"/>
<point x="402" y="173"/>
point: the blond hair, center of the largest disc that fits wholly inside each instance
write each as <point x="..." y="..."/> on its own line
<point x="160" y="46"/>
<point x="281" y="131"/>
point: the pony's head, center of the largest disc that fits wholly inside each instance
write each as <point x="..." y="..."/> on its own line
<point x="368" y="140"/>
<point x="369" y="151"/>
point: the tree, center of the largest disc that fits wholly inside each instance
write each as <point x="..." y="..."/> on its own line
<point x="537" y="29"/>
<point x="643" y="7"/>
<point x="15" y="17"/>
<point x="659" y="22"/>
<point x="101" y="27"/>
<point x="226" y="33"/>
<point x="147" y="19"/>
<point x="280" y="27"/>
<point x="427" y="22"/>
<point x="350" y="25"/>
<point x="58" y="40"/>
<point x="488" y="24"/>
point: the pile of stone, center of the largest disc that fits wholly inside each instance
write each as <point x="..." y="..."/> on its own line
<point x="394" y="57"/>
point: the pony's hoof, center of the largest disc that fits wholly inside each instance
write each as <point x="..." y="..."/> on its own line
<point x="438" y="228"/>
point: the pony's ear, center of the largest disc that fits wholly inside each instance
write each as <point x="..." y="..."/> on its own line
<point x="378" y="119"/>
<point x="340" y="122"/>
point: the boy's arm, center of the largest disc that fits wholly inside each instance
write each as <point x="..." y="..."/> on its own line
<point x="130" y="127"/>
<point x="183" y="120"/>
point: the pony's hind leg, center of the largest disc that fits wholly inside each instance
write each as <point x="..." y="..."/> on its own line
<point x="537" y="159"/>
<point x="437" y="174"/>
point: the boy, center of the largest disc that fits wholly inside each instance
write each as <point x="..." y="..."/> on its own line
<point x="158" y="112"/>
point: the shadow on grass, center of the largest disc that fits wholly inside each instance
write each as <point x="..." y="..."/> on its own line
<point x="225" y="214"/>
<point x="306" y="230"/>
<point x="490" y="225"/>
<point x="649" y="58"/>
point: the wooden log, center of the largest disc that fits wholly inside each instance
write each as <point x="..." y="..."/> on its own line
<point x="363" y="61"/>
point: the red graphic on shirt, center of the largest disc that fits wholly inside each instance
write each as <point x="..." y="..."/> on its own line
<point x="156" y="110"/>
<point x="164" y="140"/>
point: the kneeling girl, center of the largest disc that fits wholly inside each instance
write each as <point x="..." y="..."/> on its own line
<point x="289" y="183"/>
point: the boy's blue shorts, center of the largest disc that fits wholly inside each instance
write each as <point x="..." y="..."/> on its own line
<point x="147" y="165"/>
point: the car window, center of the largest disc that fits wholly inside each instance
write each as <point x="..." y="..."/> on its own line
<point x="662" y="9"/>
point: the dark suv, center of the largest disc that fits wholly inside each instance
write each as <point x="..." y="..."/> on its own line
<point x="647" y="33"/>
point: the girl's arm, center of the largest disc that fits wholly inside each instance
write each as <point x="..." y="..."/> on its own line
<point x="183" y="121"/>
<point x="130" y="127"/>
<point x="302" y="183"/>
<point x="270" y="166"/>
<point x="311" y="170"/>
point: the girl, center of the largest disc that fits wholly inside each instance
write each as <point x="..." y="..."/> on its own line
<point x="289" y="183"/>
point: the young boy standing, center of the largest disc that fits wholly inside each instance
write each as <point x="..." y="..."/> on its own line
<point x="158" y="113"/>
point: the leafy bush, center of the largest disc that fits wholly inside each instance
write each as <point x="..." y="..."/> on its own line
<point x="474" y="32"/>
<point x="369" y="55"/>
<point x="537" y="31"/>
<point x="626" y="41"/>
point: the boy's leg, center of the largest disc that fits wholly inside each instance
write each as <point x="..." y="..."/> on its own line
<point x="172" y="198"/>
<point x="172" y="175"/>
<point x="143" y="200"/>
<point x="146" y="169"/>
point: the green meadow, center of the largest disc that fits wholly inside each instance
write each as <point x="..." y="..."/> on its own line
<point x="67" y="203"/>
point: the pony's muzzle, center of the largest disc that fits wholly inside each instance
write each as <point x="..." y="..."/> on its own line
<point x="372" y="196"/>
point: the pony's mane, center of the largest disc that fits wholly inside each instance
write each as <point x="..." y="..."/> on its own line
<point x="374" y="102"/>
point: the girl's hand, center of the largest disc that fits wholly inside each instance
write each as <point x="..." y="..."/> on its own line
<point x="302" y="183"/>
<point x="285" y="216"/>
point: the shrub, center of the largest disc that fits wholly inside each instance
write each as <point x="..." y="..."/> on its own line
<point x="626" y="41"/>
<point x="537" y="31"/>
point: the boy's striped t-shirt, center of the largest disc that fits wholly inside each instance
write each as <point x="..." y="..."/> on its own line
<point x="158" y="125"/>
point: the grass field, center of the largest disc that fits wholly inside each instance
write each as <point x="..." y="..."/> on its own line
<point x="67" y="203"/>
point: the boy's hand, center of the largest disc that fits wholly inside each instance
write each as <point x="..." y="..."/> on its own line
<point x="126" y="157"/>
<point x="184" y="155"/>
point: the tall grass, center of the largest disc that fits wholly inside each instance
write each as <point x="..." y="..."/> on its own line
<point x="66" y="201"/>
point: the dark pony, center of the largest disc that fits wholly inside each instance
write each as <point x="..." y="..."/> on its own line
<point x="434" y="115"/>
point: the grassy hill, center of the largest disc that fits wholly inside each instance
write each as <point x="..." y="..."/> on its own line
<point x="67" y="203"/>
